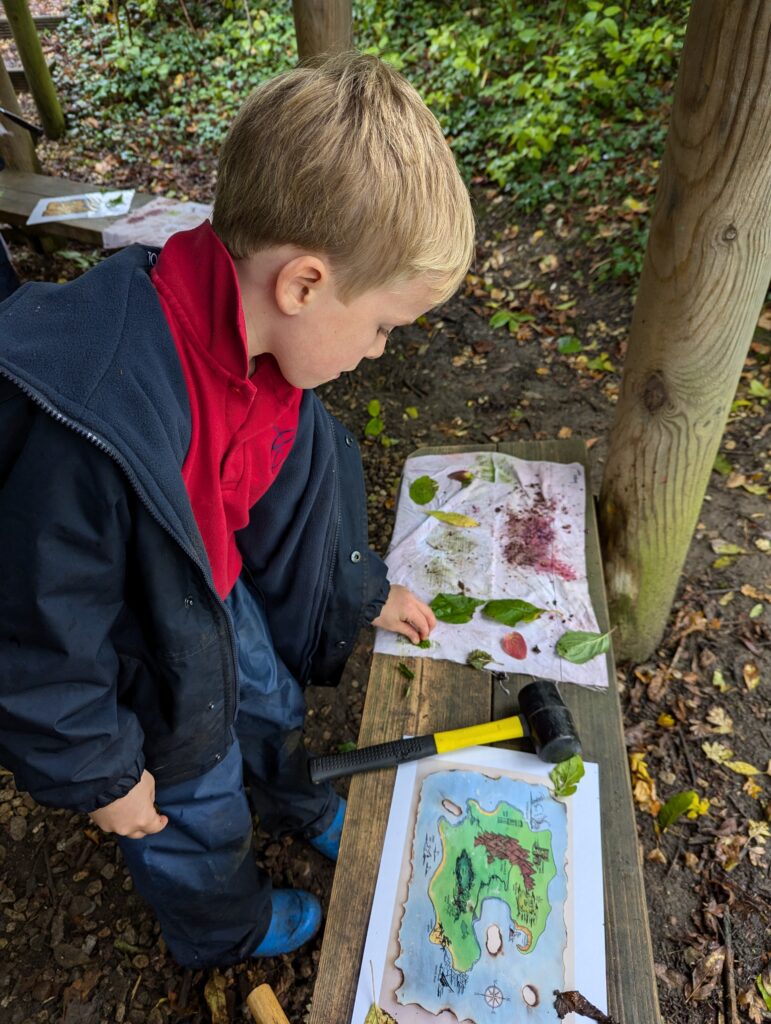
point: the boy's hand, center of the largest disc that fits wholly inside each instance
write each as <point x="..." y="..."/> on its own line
<point x="406" y="614"/>
<point x="133" y="815"/>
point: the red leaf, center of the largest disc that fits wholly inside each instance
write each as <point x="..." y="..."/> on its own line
<point x="515" y="646"/>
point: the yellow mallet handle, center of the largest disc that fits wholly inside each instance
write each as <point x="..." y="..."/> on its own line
<point x="264" y="1006"/>
<point x="473" y="735"/>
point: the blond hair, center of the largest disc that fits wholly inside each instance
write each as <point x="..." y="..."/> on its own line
<point x="345" y="160"/>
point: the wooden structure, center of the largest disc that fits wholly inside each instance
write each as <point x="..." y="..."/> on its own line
<point x="20" y="192"/>
<point x="36" y="69"/>
<point x="322" y="27"/>
<point x="444" y="695"/>
<point x="705" y="275"/>
<point x="17" y="149"/>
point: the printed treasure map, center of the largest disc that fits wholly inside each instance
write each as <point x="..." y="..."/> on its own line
<point x="490" y="527"/>
<point x="489" y="897"/>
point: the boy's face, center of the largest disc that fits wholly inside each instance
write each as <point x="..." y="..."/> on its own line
<point x="322" y="337"/>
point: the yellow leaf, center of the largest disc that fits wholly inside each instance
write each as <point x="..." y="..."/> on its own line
<point x="548" y="263"/>
<point x="717" y="752"/>
<point x="759" y="595"/>
<point x="719" y="681"/>
<point x="698" y="807"/>
<point x="724" y="547"/>
<point x="565" y="432"/>
<point x="723" y="562"/>
<point x="536" y="236"/>
<point x="453" y="518"/>
<point x="720" y="721"/>
<point x="214" y="993"/>
<point x="752" y="789"/>
<point x="742" y="768"/>
<point x="756" y="611"/>
<point x="751" y="676"/>
<point x="726" y="599"/>
<point x="759" y="830"/>
<point x="755" y="488"/>
<point x="665" y="720"/>
<point x="377" y="1016"/>
<point x="763" y="544"/>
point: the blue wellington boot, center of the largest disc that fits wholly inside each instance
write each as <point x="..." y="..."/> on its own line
<point x="296" y="919"/>
<point x="328" y="842"/>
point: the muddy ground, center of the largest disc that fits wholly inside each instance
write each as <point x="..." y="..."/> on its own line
<point x="78" y="947"/>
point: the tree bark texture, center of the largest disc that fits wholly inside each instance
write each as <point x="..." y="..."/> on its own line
<point x="16" y="147"/>
<point x="35" y="67"/>
<point x="705" y="274"/>
<point x="322" y="27"/>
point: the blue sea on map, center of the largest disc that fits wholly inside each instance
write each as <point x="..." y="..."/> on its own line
<point x="496" y="988"/>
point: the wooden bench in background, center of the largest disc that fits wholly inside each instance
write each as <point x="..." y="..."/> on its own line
<point x="444" y="695"/>
<point x="20" y="192"/>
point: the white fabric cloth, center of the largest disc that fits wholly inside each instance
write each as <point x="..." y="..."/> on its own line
<point x="529" y="545"/>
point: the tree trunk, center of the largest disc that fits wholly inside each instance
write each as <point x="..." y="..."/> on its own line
<point x="705" y="274"/>
<point x="16" y="147"/>
<point x="322" y="26"/>
<point x="39" y="77"/>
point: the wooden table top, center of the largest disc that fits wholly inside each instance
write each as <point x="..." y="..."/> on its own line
<point x="444" y="695"/>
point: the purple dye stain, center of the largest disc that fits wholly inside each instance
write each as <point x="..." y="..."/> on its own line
<point x="529" y="540"/>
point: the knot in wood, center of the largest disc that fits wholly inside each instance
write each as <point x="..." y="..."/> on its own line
<point x="654" y="393"/>
<point x="730" y="233"/>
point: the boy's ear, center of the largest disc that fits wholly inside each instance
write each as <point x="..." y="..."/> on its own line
<point x="300" y="283"/>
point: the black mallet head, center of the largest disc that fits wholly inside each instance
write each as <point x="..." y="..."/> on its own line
<point x="548" y="718"/>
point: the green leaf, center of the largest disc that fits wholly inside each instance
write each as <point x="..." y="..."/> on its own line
<point x="478" y="659"/>
<point x="411" y="412"/>
<point x="374" y="408"/>
<point x="423" y="490"/>
<point x="424" y="644"/>
<point x="453" y="519"/>
<point x="722" y="465"/>
<point x="579" y="646"/>
<point x="765" y="994"/>
<point x="454" y="608"/>
<point x="567" y="775"/>
<point x="374" y="428"/>
<point x="567" y="344"/>
<point x="759" y="390"/>
<point x="756" y="611"/>
<point x="610" y="27"/>
<point x="511" y="611"/>
<point x="406" y="672"/>
<point x="346" y="748"/>
<point x="676" y="807"/>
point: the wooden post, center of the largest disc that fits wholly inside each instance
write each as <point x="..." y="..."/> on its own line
<point x="39" y="77"/>
<point x="322" y="26"/>
<point x="705" y="274"/>
<point x="16" y="146"/>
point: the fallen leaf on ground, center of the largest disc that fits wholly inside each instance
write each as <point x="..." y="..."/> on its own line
<point x="717" y="752"/>
<point x="706" y="974"/>
<point x="720" y="720"/>
<point x="751" y="676"/>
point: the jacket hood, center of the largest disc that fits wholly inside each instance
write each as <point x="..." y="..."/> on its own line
<point x="97" y="352"/>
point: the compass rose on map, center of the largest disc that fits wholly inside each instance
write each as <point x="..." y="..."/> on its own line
<point x="493" y="997"/>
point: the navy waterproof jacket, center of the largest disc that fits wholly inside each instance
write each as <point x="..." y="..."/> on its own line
<point x="116" y="653"/>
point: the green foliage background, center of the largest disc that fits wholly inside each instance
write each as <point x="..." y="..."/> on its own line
<point x="560" y="102"/>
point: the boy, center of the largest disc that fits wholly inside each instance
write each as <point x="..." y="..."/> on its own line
<point x="183" y="526"/>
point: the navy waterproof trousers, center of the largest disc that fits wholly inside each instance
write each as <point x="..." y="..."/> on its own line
<point x="199" y="874"/>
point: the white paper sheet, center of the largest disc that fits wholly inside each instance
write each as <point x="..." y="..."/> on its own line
<point x="155" y="222"/>
<point x="84" y="206"/>
<point x="530" y="545"/>
<point x="498" y="986"/>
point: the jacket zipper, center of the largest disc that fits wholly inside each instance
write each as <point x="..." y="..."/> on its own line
<point x="108" y="450"/>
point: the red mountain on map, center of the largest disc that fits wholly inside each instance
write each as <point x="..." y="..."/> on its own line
<point x="500" y="847"/>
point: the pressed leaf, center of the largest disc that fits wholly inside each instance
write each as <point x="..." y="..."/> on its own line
<point x="423" y="490"/>
<point x="406" y="672"/>
<point x="676" y="807"/>
<point x="453" y="518"/>
<point x="377" y="1016"/>
<point x="567" y="775"/>
<point x="515" y="645"/>
<point x="463" y="476"/>
<point x="579" y="646"/>
<point x="424" y="644"/>
<point x="455" y="608"/>
<point x="512" y="611"/>
<point x="478" y="659"/>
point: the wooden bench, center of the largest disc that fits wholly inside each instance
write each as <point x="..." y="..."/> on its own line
<point x="20" y="192"/>
<point x="43" y="23"/>
<point x="442" y="696"/>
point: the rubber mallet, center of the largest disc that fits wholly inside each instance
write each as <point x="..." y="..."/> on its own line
<point x="543" y="716"/>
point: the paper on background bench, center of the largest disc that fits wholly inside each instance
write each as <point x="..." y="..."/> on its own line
<point x="84" y="206"/>
<point x="155" y="222"/>
<point x="530" y="545"/>
<point x="569" y="950"/>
